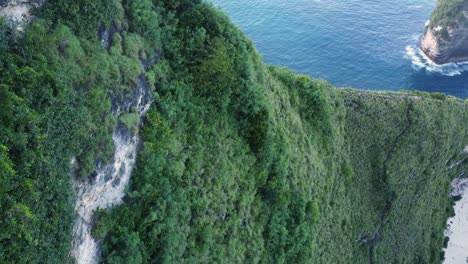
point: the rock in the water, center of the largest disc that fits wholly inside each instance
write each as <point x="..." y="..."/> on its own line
<point x="446" y="37"/>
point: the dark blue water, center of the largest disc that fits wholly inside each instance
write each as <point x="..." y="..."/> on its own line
<point x="366" y="44"/>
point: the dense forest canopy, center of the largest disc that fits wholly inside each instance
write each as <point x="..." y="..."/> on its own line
<point x="240" y="162"/>
<point x="447" y="13"/>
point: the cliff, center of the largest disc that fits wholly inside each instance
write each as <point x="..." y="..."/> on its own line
<point x="446" y="36"/>
<point x="240" y="161"/>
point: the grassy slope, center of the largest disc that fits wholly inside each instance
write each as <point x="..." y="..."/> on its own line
<point x="281" y="168"/>
<point x="241" y="161"/>
<point x="417" y="175"/>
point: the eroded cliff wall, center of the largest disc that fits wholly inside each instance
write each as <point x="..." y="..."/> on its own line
<point x="446" y="37"/>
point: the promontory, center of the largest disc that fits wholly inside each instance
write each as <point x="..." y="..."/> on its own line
<point x="445" y="38"/>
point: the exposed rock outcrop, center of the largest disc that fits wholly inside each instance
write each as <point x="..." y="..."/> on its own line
<point x="107" y="187"/>
<point x="18" y="11"/>
<point x="446" y="36"/>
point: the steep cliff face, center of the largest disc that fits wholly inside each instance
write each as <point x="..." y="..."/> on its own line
<point x="446" y="36"/>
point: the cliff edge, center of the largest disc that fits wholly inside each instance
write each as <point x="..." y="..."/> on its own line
<point x="446" y="36"/>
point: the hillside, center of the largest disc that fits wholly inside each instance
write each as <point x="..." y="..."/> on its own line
<point x="238" y="161"/>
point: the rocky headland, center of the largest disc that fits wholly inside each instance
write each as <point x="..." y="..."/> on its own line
<point x="446" y="36"/>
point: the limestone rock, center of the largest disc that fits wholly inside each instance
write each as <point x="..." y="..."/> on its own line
<point x="18" y="11"/>
<point x="446" y="38"/>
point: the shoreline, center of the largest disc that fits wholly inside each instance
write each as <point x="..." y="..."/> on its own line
<point x="420" y="60"/>
<point x="433" y="63"/>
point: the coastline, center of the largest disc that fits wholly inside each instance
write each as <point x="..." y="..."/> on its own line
<point x="420" y="60"/>
<point x="432" y="62"/>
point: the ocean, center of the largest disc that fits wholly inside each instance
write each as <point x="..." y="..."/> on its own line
<point x="364" y="44"/>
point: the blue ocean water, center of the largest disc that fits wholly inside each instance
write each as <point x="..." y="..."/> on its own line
<point x="365" y="44"/>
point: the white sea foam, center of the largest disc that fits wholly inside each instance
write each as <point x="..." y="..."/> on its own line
<point x="412" y="7"/>
<point x="421" y="62"/>
<point x="415" y="37"/>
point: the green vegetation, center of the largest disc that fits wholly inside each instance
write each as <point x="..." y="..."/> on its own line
<point x="417" y="176"/>
<point x="248" y="163"/>
<point x="130" y="120"/>
<point x="241" y="162"/>
<point x="447" y="13"/>
<point x="56" y="82"/>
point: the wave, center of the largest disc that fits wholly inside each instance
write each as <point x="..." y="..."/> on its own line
<point x="413" y="7"/>
<point x="421" y="61"/>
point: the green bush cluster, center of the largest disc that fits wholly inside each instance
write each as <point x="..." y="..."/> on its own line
<point x="56" y="85"/>
<point x="130" y="120"/>
<point x="418" y="174"/>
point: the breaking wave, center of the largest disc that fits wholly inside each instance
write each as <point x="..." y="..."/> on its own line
<point x="421" y="62"/>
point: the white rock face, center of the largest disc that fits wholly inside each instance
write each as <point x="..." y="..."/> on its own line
<point x="107" y="191"/>
<point x="18" y="12"/>
<point x="457" y="227"/>
<point x="108" y="187"/>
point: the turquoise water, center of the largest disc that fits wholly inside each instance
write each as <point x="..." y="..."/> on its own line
<point x="366" y="44"/>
